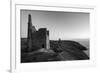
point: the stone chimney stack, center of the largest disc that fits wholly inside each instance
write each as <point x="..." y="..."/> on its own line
<point x="29" y="33"/>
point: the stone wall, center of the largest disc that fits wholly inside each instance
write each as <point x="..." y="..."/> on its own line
<point x="37" y="39"/>
<point x="40" y="39"/>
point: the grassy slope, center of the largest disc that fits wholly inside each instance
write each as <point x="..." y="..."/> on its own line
<point x="66" y="50"/>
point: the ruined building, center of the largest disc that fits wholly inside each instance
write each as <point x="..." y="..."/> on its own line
<point x="37" y="39"/>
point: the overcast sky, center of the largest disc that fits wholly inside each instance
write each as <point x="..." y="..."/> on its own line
<point x="64" y="25"/>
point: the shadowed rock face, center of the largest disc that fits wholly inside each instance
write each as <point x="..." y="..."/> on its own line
<point x="59" y="51"/>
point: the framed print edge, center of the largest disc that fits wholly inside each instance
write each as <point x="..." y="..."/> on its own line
<point x="17" y="67"/>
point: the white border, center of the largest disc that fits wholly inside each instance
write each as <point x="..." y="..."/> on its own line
<point x="16" y="66"/>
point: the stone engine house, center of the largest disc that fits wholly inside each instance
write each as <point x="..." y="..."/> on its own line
<point x="37" y="39"/>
